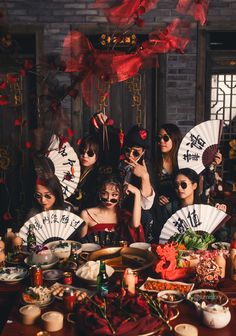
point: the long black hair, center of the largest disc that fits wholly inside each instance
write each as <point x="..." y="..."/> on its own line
<point x="175" y="134"/>
<point x="193" y="177"/>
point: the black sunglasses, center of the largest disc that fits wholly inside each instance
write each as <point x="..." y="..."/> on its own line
<point x="129" y="150"/>
<point x="182" y="184"/>
<point x="165" y="137"/>
<point x="38" y="196"/>
<point x="89" y="152"/>
<point x="112" y="200"/>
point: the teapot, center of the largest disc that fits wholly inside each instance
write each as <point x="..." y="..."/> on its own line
<point x="216" y="316"/>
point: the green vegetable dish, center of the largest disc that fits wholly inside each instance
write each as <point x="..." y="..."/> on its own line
<point x="193" y="240"/>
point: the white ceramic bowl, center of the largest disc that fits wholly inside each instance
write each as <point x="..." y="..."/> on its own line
<point x="52" y="320"/>
<point x="141" y="245"/>
<point x="63" y="252"/>
<point x="171" y="297"/>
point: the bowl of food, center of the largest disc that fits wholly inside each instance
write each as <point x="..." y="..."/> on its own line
<point x="40" y="296"/>
<point x="203" y="297"/>
<point x="42" y="256"/>
<point x="62" y="248"/>
<point x="171" y="297"/>
<point x="89" y="272"/>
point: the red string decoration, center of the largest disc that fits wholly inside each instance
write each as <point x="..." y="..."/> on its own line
<point x="129" y="11"/>
<point x="196" y="8"/>
<point x="167" y="40"/>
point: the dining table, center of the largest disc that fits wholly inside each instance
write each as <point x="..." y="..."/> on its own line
<point x="10" y="302"/>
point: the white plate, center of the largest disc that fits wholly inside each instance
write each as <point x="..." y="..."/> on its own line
<point x="12" y="274"/>
<point x="52" y="274"/>
<point x="140" y="245"/>
<point x="220" y="246"/>
<point x="161" y="284"/>
<point x="90" y="247"/>
<point x="62" y="287"/>
<point x="43" y="266"/>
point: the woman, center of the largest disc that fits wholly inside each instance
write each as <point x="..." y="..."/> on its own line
<point x="48" y="196"/>
<point x="168" y="141"/>
<point x="86" y="192"/>
<point x="108" y="223"/>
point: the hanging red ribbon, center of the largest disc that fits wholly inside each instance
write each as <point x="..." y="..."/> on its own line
<point x="165" y="41"/>
<point x="129" y="11"/>
<point x="196" y="8"/>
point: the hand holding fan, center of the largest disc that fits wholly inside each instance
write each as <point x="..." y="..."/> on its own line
<point x="51" y="225"/>
<point x="199" y="146"/>
<point x="66" y="164"/>
<point x="197" y="217"/>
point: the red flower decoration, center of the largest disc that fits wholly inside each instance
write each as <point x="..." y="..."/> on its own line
<point x="139" y="22"/>
<point x="22" y="72"/>
<point x="196" y="8"/>
<point x="110" y="122"/>
<point x="12" y="79"/>
<point x="3" y="85"/>
<point x="70" y="132"/>
<point x="143" y="134"/>
<point x="17" y="122"/>
<point x="28" y="64"/>
<point x="3" y="100"/>
<point x="7" y="216"/>
<point x="28" y="144"/>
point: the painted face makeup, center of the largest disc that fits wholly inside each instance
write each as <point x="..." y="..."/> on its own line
<point x="109" y="196"/>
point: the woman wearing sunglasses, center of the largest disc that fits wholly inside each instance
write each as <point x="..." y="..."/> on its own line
<point x="48" y="195"/>
<point x="168" y="141"/>
<point x="85" y="194"/>
<point x="108" y="223"/>
<point x="186" y="185"/>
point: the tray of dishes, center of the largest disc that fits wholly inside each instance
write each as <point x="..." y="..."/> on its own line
<point x="157" y="285"/>
<point x="12" y="275"/>
<point x="40" y="296"/>
<point x="58" y="289"/>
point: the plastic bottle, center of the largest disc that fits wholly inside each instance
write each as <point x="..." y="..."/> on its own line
<point x="221" y="262"/>
<point x="102" y="280"/>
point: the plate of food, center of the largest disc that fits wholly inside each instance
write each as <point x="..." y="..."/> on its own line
<point x="12" y="275"/>
<point x="62" y="248"/>
<point x="221" y="246"/>
<point x="203" y="297"/>
<point x="40" y="296"/>
<point x="89" y="272"/>
<point x="157" y="285"/>
<point x="52" y="274"/>
<point x="172" y="297"/>
<point x="45" y="265"/>
<point x="57" y="290"/>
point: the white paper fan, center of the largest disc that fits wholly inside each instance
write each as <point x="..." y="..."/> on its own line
<point x="66" y="164"/>
<point x="199" y="146"/>
<point x="51" y="225"/>
<point x="198" y="217"/>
